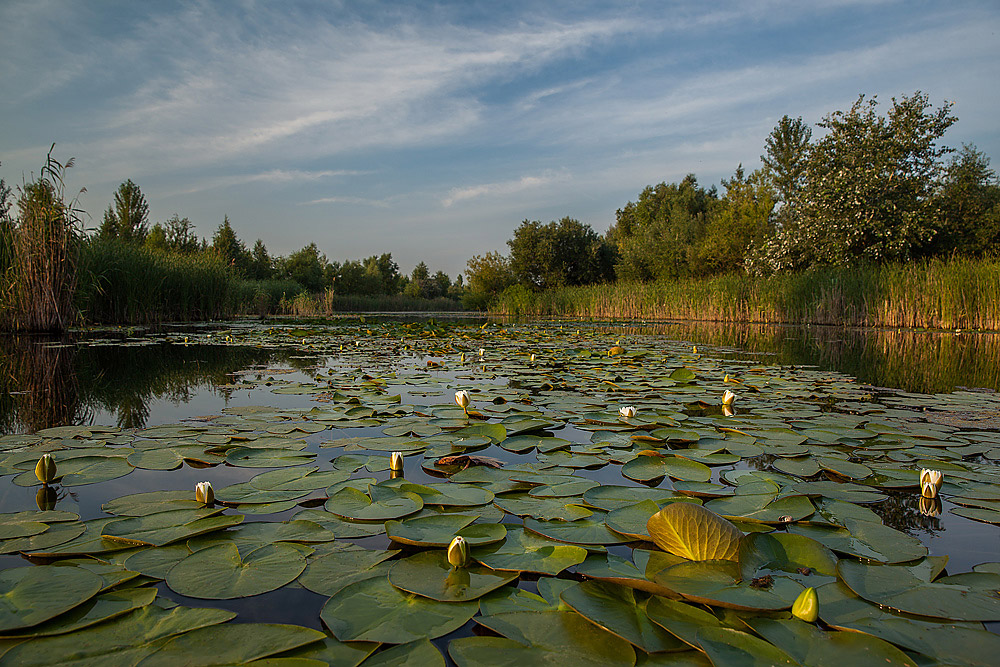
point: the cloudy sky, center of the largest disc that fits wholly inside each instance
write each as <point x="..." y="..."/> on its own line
<point x="432" y="131"/>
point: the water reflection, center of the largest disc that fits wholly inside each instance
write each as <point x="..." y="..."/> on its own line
<point x="918" y="361"/>
<point x="47" y="382"/>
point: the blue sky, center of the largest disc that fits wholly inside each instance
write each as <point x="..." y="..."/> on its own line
<point x="432" y="130"/>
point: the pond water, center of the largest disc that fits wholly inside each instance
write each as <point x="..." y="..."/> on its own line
<point x="291" y="422"/>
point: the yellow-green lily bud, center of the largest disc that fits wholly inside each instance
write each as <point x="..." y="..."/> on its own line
<point x="396" y="462"/>
<point x="806" y="606"/>
<point x="204" y="493"/>
<point x="45" y="469"/>
<point x="458" y="552"/>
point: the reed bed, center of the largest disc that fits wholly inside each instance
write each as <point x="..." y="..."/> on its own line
<point x="955" y="293"/>
<point x="329" y="303"/>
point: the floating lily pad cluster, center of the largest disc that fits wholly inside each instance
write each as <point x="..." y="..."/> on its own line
<point x="680" y="531"/>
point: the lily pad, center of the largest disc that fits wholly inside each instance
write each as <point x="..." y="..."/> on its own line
<point x="32" y="595"/>
<point x="430" y="575"/>
<point x="524" y="551"/>
<point x="693" y="532"/>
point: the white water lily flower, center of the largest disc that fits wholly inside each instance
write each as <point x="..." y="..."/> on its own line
<point x="627" y="412"/>
<point x="396" y="461"/>
<point x="463" y="399"/>
<point x="728" y="397"/>
<point x="204" y="493"/>
<point x="482" y="351"/>
<point x="930" y="482"/>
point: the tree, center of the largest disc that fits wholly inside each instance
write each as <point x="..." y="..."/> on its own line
<point x="128" y="217"/>
<point x="558" y="254"/>
<point x="742" y="220"/>
<point x="787" y="151"/>
<point x="181" y="236"/>
<point x="869" y="186"/>
<point x="307" y="267"/>
<point x="230" y="248"/>
<point x="488" y="275"/>
<point x="383" y="274"/>
<point x="261" y="266"/>
<point x="969" y="201"/>
<point x="658" y="235"/>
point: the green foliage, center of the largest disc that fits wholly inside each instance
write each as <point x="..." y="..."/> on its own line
<point x="969" y="200"/>
<point x="261" y="265"/>
<point x="121" y="282"/>
<point x="307" y="267"/>
<point x="127" y="218"/>
<point x="657" y="236"/>
<point x="488" y="276"/>
<point x="229" y="247"/>
<point x="742" y="219"/>
<point x="787" y="150"/>
<point x="39" y="253"/>
<point x="869" y="185"/>
<point x="559" y="254"/>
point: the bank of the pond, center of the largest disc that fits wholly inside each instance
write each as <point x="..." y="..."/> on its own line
<point x="957" y="293"/>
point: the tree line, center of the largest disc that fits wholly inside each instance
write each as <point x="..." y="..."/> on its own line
<point x="127" y="221"/>
<point x="873" y="188"/>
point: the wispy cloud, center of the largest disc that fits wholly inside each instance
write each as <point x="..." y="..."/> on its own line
<point x="502" y="188"/>
<point x="272" y="176"/>
<point x="378" y="203"/>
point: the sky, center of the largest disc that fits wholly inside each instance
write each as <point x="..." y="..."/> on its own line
<point x="431" y="130"/>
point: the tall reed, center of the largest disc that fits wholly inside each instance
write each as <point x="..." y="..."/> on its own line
<point x="39" y="254"/>
<point x="954" y="293"/>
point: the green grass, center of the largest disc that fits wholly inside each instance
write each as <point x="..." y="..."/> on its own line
<point x="329" y="303"/>
<point x="957" y="293"/>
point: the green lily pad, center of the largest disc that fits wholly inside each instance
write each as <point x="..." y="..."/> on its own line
<point x="585" y="532"/>
<point x="897" y="587"/>
<point x="98" y="609"/>
<point x="267" y="457"/>
<point x="141" y="504"/>
<point x="615" y="609"/>
<point x="610" y="497"/>
<point x="231" y="643"/>
<point x="726" y="646"/>
<point x="330" y="573"/>
<point x="375" y="610"/>
<point x="440" y="530"/>
<point x="379" y="504"/>
<point x="547" y="509"/>
<point x="164" y="528"/>
<point x="32" y="595"/>
<point x="430" y="575"/>
<point x="413" y="654"/>
<point x="525" y="551"/>
<point x="811" y="646"/>
<point x="683" y="620"/>
<point x="543" y="637"/>
<point x="221" y="572"/>
<point x="719" y="583"/>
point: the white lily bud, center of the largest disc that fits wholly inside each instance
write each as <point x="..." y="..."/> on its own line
<point x="204" y="493"/>
<point x="482" y="351"/>
<point x="627" y="412"/>
<point x="934" y="477"/>
<point x="396" y="461"/>
<point x="463" y="399"/>
<point x="458" y="552"/>
<point x="728" y="397"/>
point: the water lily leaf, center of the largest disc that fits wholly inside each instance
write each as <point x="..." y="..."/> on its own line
<point x="571" y="487"/>
<point x="248" y="536"/>
<point x="231" y="643"/>
<point x="88" y="542"/>
<point x="120" y="641"/>
<point x="413" y="654"/>
<point x="20" y="524"/>
<point x="141" y="504"/>
<point x="155" y="562"/>
<point x="588" y="532"/>
<point x="379" y="504"/>
<point x="542" y="508"/>
<point x="811" y="646"/>
<point x="221" y="572"/>
<point x="897" y="587"/>
<point x="339" y="527"/>
<point x="156" y="459"/>
<point x="978" y="514"/>
<point x="297" y="479"/>
<point x="681" y="619"/>
<point x="91" y="470"/>
<point x="430" y="575"/>
<point x="693" y="532"/>
<point x="646" y="468"/>
<point x="865" y="539"/>
<point x="267" y="457"/>
<point x="786" y="553"/>
<point x="330" y="573"/>
<point x="534" y="638"/>
<point x="98" y="609"/>
<point x="164" y="528"/>
<point x="440" y="530"/>
<point x="718" y="583"/>
<point x="610" y="497"/>
<point x="32" y="595"/>
<point x="329" y="651"/>
<point x="614" y="608"/>
<point x="522" y="444"/>
<point x="525" y="551"/>
<point x="453" y="494"/>
<point x="245" y="492"/>
<point x="726" y="646"/>
<point x="375" y="610"/>
<point x="762" y="507"/>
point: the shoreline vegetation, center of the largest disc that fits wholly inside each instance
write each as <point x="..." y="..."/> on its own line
<point x="869" y="225"/>
<point x="938" y="294"/>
